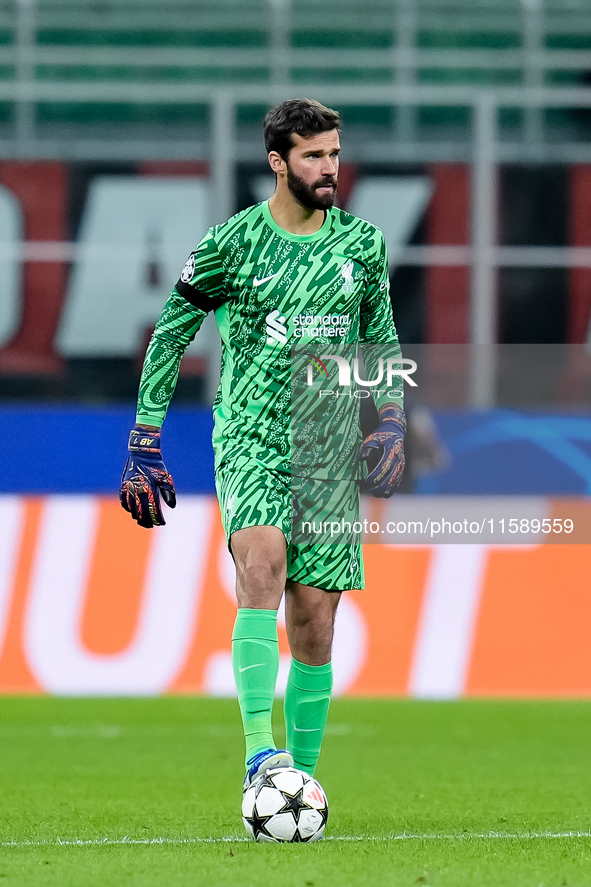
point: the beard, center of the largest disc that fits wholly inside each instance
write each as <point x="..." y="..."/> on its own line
<point x="307" y="194"/>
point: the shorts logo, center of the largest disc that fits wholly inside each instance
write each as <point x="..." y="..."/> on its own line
<point x="189" y="269"/>
<point x="347" y="272"/>
<point x="276" y="329"/>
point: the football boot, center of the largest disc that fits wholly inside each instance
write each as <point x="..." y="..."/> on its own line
<point x="268" y="759"/>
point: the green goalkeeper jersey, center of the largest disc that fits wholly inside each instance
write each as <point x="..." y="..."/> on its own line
<point x="270" y="290"/>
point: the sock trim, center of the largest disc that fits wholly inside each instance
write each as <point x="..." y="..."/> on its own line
<point x="317" y="678"/>
<point x="266" y="624"/>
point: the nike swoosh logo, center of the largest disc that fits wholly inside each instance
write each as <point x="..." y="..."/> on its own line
<point x="246" y="667"/>
<point x="259" y="280"/>
<point x="305" y="730"/>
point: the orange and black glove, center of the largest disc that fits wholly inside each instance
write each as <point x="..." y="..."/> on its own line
<point x="144" y="478"/>
<point x="383" y="451"/>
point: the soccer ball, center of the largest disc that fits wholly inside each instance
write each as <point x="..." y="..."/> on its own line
<point x="285" y="804"/>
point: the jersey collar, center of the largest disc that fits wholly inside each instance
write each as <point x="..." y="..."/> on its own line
<point x="300" y="238"/>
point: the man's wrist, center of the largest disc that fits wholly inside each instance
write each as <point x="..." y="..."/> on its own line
<point x="391" y="411"/>
<point x="393" y="414"/>
<point x="144" y="439"/>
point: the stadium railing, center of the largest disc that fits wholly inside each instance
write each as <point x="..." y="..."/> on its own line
<point x="56" y="53"/>
<point x="481" y="83"/>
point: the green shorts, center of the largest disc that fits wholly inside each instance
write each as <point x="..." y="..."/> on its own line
<point x="263" y="497"/>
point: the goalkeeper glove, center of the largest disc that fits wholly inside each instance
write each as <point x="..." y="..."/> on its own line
<point x="144" y="478"/>
<point x="383" y="452"/>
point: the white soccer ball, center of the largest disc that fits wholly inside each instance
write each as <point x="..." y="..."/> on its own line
<point x="285" y="804"/>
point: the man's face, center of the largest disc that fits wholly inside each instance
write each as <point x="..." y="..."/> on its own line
<point x="312" y="169"/>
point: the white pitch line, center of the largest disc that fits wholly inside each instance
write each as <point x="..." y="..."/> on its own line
<point x="405" y="836"/>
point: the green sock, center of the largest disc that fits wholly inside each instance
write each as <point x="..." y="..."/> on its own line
<point x="307" y="698"/>
<point x="255" y="657"/>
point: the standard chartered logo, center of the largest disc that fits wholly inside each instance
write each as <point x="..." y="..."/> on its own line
<point x="276" y="329"/>
<point x="326" y="326"/>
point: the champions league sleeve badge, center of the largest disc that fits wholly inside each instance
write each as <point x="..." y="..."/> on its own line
<point x="189" y="269"/>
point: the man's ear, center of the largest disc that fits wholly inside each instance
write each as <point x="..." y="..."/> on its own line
<point x="277" y="163"/>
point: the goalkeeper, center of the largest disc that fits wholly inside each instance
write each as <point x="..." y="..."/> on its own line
<point x="273" y="274"/>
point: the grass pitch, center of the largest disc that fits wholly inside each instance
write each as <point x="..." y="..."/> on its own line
<point x="147" y="792"/>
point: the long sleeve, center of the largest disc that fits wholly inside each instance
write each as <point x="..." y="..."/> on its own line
<point x="175" y="329"/>
<point x="378" y="335"/>
<point x="199" y="289"/>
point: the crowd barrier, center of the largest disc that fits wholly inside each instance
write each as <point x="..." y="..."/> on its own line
<point x="90" y="604"/>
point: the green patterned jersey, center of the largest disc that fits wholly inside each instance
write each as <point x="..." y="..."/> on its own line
<point x="270" y="290"/>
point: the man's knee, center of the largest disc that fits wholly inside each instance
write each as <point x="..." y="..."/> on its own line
<point x="310" y="623"/>
<point x="260" y="557"/>
<point x="312" y="642"/>
<point x="261" y="571"/>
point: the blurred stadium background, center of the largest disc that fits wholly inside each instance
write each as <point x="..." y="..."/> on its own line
<point x="126" y="128"/>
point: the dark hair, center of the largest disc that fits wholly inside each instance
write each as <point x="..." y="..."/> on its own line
<point x="306" y="117"/>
